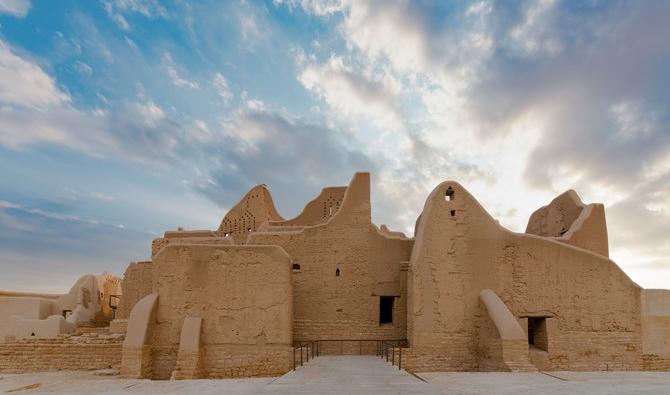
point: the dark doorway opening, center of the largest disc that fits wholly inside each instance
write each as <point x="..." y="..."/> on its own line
<point x="386" y="309"/>
<point x="537" y="332"/>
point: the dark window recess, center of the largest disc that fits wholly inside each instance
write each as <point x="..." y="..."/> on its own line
<point x="449" y="196"/>
<point x="337" y="272"/>
<point x="296" y="267"/>
<point x="537" y="333"/>
<point x="386" y="309"/>
<point x="453" y="213"/>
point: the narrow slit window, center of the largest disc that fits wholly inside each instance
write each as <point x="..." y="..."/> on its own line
<point x="453" y="213"/>
<point x="337" y="272"/>
<point x="296" y="267"/>
<point x="449" y="196"/>
<point x="386" y="309"/>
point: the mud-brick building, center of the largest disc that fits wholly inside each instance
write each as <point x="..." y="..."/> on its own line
<point x="463" y="294"/>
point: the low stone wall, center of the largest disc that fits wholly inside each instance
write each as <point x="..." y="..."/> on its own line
<point x="595" y="351"/>
<point x="655" y="363"/>
<point x="74" y="353"/>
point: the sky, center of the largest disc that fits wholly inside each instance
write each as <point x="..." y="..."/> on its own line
<point x="121" y="119"/>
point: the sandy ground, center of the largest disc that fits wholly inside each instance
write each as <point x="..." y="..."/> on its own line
<point x="350" y="375"/>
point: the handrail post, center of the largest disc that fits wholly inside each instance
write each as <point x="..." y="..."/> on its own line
<point x="301" y="355"/>
<point x="399" y="357"/>
<point x="307" y="345"/>
<point x="392" y="355"/>
<point x="293" y="358"/>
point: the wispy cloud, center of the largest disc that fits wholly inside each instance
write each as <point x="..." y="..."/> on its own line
<point x="17" y="8"/>
<point x="176" y="79"/>
<point x="116" y="9"/>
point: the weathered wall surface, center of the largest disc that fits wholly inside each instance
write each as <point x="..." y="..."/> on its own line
<point x="243" y="295"/>
<point x="135" y="285"/>
<point x="61" y="353"/>
<point x="190" y="237"/>
<point x="461" y="250"/>
<point x="317" y="211"/>
<point x="371" y="264"/>
<point x="570" y="221"/>
<point x="36" y="315"/>
<point x="108" y="285"/>
<point x="656" y="329"/>
<point x="255" y="208"/>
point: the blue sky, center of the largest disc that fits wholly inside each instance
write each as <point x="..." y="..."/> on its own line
<point x="120" y="119"/>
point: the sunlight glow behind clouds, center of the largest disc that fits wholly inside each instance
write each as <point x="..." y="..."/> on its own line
<point x="200" y="101"/>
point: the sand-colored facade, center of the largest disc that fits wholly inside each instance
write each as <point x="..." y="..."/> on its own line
<point x="34" y="315"/>
<point x="463" y="294"/>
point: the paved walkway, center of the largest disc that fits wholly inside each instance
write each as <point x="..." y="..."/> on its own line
<point x="349" y="375"/>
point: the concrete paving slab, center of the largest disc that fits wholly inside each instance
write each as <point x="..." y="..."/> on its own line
<point x="349" y="375"/>
<point x="596" y="383"/>
<point x="352" y="375"/>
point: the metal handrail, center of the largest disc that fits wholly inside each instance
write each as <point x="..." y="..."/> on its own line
<point x="393" y="344"/>
<point x="384" y="348"/>
<point x="309" y="347"/>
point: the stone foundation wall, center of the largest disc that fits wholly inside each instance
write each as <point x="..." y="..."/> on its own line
<point x="595" y="351"/>
<point x="226" y="361"/>
<point x="306" y="330"/>
<point x="655" y="363"/>
<point x="23" y="357"/>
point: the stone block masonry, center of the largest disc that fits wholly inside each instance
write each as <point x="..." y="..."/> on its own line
<point x="86" y="352"/>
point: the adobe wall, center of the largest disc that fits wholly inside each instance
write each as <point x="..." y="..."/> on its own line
<point x="135" y="285"/>
<point x="108" y="285"/>
<point x="64" y="353"/>
<point x="568" y="220"/>
<point x="37" y="315"/>
<point x="318" y="210"/>
<point x="371" y="264"/>
<point x="190" y="237"/>
<point x="592" y="306"/>
<point x="656" y="329"/>
<point x="243" y="295"/>
<point x="255" y="208"/>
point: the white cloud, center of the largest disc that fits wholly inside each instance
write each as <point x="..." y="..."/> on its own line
<point x="220" y="84"/>
<point x="82" y="68"/>
<point x="634" y="120"/>
<point x="533" y="36"/>
<point x="37" y="89"/>
<point x="317" y="7"/>
<point x="17" y="8"/>
<point x="148" y="8"/>
<point x="150" y="113"/>
<point x="176" y="79"/>
<point x="354" y="92"/>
